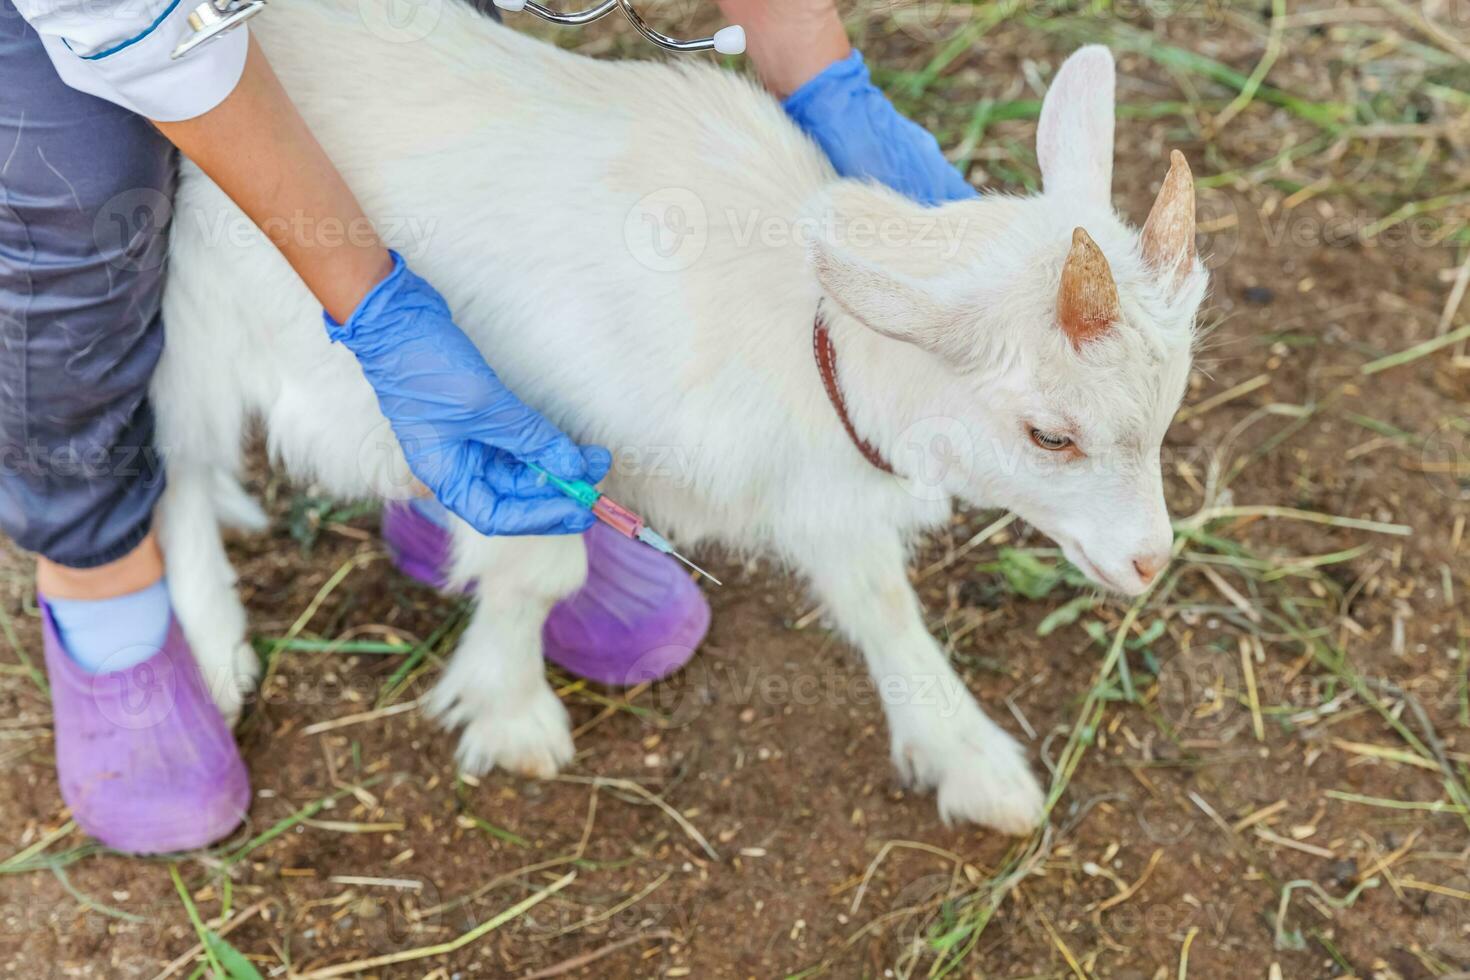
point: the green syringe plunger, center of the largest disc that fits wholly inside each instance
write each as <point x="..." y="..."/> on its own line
<point x="617" y="517"/>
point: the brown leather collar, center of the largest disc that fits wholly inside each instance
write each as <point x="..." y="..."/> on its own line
<point x="826" y="355"/>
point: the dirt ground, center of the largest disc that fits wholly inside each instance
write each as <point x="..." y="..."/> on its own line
<point x="1261" y="770"/>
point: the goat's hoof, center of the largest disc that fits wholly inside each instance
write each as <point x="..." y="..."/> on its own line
<point x="231" y="676"/>
<point x="531" y="739"/>
<point x="981" y="774"/>
<point x="993" y="787"/>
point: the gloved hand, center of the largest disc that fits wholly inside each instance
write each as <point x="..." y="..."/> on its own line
<point x="465" y="435"/>
<point x="864" y="135"/>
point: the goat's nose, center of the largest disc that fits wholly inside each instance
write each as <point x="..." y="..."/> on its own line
<point x="1149" y="566"/>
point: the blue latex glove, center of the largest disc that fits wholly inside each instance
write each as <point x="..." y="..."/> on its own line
<point x="864" y="135"/>
<point x="465" y="435"/>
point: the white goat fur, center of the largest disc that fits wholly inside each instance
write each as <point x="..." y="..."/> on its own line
<point x="526" y="166"/>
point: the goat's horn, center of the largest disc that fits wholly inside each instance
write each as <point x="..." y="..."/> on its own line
<point x="1168" y="234"/>
<point x="1087" y="305"/>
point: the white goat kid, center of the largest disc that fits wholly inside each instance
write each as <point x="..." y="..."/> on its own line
<point x="622" y="242"/>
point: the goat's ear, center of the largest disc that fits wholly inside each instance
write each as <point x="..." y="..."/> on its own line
<point x="884" y="259"/>
<point x="891" y="303"/>
<point x="1074" y="138"/>
<point x="1168" y="234"/>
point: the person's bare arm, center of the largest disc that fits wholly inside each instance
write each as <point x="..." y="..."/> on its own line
<point x="801" y="52"/>
<point x="257" y="148"/>
<point x="789" y="41"/>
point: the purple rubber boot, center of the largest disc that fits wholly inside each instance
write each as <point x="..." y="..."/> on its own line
<point x="639" y="617"/>
<point x="144" y="759"/>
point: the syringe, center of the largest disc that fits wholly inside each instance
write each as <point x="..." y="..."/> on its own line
<point x="617" y="517"/>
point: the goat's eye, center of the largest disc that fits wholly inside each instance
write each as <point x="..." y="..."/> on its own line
<point x="1051" y="442"/>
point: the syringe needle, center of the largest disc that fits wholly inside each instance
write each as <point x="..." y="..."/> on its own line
<point x="658" y="542"/>
<point x="696" y="568"/>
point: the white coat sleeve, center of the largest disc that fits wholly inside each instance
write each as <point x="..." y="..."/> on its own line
<point x="119" y="50"/>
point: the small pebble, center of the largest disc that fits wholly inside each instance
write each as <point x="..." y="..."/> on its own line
<point x="1343" y="873"/>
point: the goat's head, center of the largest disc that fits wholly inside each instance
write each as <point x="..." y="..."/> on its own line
<point x="1059" y="336"/>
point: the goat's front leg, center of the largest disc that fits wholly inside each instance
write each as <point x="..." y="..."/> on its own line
<point x="495" y="685"/>
<point x="939" y="735"/>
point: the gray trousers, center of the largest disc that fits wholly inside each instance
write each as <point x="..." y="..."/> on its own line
<point x="85" y="199"/>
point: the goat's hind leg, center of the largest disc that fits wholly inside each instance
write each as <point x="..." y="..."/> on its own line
<point x="201" y="581"/>
<point x="495" y="685"/>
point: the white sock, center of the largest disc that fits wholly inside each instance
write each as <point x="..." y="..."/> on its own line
<point x="108" y="635"/>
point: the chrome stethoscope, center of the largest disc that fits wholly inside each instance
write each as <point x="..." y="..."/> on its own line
<point x="214" y="17"/>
